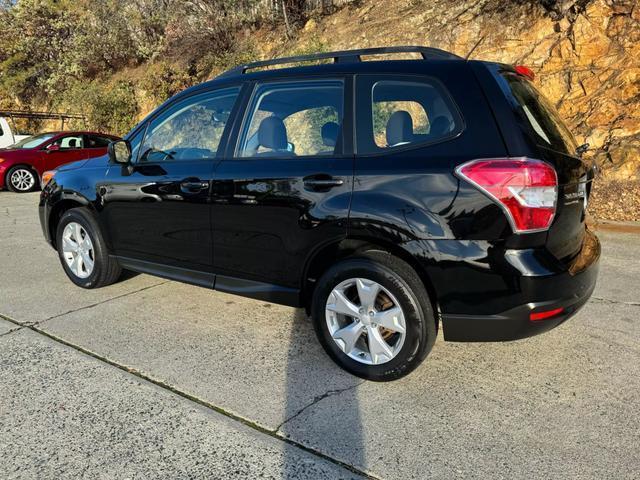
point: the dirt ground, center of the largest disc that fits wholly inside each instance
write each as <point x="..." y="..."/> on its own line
<point x="615" y="200"/>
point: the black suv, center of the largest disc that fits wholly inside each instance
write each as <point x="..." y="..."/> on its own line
<point x="383" y="196"/>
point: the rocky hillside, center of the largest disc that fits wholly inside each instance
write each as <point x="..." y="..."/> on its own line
<point x="586" y="54"/>
<point x="115" y="61"/>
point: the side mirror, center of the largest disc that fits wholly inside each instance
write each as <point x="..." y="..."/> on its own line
<point x="119" y="152"/>
<point x="291" y="147"/>
<point x="54" y="147"/>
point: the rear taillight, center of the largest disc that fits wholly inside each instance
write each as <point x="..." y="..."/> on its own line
<point x="525" y="188"/>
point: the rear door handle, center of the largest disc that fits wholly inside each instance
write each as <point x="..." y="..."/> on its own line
<point x="322" y="182"/>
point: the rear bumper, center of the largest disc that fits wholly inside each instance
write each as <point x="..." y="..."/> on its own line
<point x="568" y="289"/>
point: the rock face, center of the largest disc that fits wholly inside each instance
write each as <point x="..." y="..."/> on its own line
<point x="585" y="53"/>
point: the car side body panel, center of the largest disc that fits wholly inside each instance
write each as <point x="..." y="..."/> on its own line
<point x="267" y="227"/>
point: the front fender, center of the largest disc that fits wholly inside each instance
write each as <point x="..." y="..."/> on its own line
<point x="67" y="189"/>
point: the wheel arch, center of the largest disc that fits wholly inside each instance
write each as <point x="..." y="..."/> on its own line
<point x="58" y="209"/>
<point x="327" y="255"/>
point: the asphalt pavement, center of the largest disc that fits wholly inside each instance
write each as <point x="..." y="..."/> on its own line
<point x="150" y="378"/>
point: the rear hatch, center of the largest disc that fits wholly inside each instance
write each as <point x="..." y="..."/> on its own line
<point x="552" y="142"/>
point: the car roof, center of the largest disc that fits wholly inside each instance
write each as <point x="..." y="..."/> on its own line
<point x="346" y="61"/>
<point x="77" y="132"/>
<point x="384" y="66"/>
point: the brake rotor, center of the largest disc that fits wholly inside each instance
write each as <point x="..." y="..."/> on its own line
<point x="383" y="302"/>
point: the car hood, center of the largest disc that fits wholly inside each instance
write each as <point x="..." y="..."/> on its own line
<point x="89" y="163"/>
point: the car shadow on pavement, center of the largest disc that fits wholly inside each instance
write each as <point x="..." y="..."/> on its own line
<point x="307" y="363"/>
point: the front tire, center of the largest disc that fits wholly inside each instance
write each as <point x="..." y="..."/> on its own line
<point x="373" y="316"/>
<point x="21" y="179"/>
<point x="83" y="252"/>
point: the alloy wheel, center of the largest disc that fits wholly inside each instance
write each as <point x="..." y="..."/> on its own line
<point x="23" y="179"/>
<point x="366" y="321"/>
<point x="77" y="249"/>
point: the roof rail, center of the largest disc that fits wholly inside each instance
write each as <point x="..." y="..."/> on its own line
<point x="31" y="115"/>
<point x="345" y="56"/>
<point x="41" y="115"/>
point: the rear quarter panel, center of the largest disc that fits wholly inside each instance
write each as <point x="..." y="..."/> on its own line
<point x="413" y="194"/>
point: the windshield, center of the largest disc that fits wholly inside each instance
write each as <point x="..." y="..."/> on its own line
<point x="33" y="142"/>
<point x="539" y="115"/>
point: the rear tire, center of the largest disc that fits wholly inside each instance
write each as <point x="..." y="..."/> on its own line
<point x="21" y="179"/>
<point x="410" y="335"/>
<point x="83" y="252"/>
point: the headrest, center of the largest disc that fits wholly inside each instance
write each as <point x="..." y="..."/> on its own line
<point x="272" y="134"/>
<point x="329" y="134"/>
<point x="440" y="126"/>
<point x="399" y="128"/>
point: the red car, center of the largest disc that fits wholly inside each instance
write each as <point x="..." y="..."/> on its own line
<point x="22" y="164"/>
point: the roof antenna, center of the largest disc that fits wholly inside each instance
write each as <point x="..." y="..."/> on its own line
<point x="473" y="49"/>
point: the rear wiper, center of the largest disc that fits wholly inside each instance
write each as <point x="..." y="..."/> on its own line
<point x="582" y="149"/>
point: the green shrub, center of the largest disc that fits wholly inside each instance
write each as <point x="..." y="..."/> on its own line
<point x="110" y="108"/>
<point x="163" y="81"/>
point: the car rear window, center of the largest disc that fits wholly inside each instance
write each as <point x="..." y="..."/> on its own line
<point x="540" y="118"/>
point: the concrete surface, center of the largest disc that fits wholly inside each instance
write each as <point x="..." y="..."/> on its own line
<point x="67" y="415"/>
<point x="6" y="327"/>
<point x="563" y="404"/>
<point x="34" y="286"/>
<point x="201" y="340"/>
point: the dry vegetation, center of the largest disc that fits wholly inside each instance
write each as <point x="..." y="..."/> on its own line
<point x="114" y="60"/>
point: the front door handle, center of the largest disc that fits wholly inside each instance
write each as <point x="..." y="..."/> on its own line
<point x="322" y="182"/>
<point x="193" y="185"/>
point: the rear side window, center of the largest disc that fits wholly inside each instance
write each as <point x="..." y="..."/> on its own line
<point x="404" y="113"/>
<point x="94" y="141"/>
<point x="539" y="117"/>
<point x="293" y="119"/>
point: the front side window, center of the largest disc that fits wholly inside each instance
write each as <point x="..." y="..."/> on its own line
<point x="190" y="129"/>
<point x="70" y="142"/>
<point x="294" y="119"/>
<point x="404" y="113"/>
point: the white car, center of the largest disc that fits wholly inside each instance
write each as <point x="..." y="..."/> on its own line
<point x="7" y="135"/>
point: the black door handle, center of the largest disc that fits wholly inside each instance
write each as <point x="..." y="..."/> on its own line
<point x="322" y="182"/>
<point x="193" y="185"/>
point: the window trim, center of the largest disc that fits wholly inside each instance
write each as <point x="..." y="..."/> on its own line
<point x="172" y="102"/>
<point x="248" y="111"/>
<point x="373" y="79"/>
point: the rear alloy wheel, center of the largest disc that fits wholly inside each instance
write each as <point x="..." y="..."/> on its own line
<point x="373" y="316"/>
<point x="366" y="321"/>
<point x="21" y="179"/>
